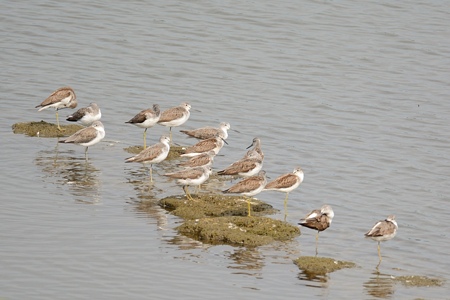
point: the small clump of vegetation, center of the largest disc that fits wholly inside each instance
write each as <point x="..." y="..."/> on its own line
<point x="321" y="265"/>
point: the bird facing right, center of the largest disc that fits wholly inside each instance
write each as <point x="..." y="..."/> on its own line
<point x="145" y="119"/>
<point x="153" y="154"/>
<point x="175" y="116"/>
<point x="61" y="98"/>
<point x="249" y="187"/>
<point x="383" y="230"/>
<point x="286" y="183"/>
<point x="208" y="132"/>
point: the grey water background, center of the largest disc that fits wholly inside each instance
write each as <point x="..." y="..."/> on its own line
<point x="356" y="93"/>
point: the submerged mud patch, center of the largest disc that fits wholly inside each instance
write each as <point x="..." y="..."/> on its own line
<point x="44" y="129"/>
<point x="321" y="265"/>
<point x="239" y="231"/>
<point x="418" y="281"/>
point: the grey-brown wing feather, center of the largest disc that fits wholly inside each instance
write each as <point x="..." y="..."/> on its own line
<point x="149" y="153"/>
<point x="55" y="97"/>
<point x="320" y="222"/>
<point x="202" y="146"/>
<point x="189" y="173"/>
<point x="82" y="136"/>
<point x="246" y="185"/>
<point x="198" y="160"/>
<point x="202" y="133"/>
<point x="171" y="114"/>
<point x="139" y="118"/>
<point x="381" y="228"/>
<point x="79" y="114"/>
<point x="284" y="181"/>
<point x="239" y="166"/>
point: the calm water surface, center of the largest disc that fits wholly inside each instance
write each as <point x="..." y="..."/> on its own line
<point x="355" y="93"/>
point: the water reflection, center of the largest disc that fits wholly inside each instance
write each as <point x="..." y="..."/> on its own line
<point x="140" y="179"/>
<point x="314" y="279"/>
<point x="147" y="205"/>
<point x="247" y="261"/>
<point x="185" y="243"/>
<point x="380" y="285"/>
<point x="78" y="175"/>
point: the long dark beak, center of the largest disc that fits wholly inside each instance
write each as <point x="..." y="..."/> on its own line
<point x="249" y="146"/>
<point x="224" y="141"/>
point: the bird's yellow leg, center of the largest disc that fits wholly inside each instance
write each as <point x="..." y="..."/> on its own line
<point x="145" y="138"/>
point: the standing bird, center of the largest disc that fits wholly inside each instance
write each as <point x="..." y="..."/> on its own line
<point x="212" y="144"/>
<point x="204" y="159"/>
<point x="209" y="132"/>
<point x="61" y="98"/>
<point x="248" y="166"/>
<point x="87" y="136"/>
<point x="256" y="144"/>
<point x="153" y="154"/>
<point x="383" y="230"/>
<point x="175" y="116"/>
<point x="86" y="115"/>
<point x="145" y="119"/>
<point x="193" y="176"/>
<point x="249" y="187"/>
<point x="286" y="183"/>
<point x="319" y="219"/>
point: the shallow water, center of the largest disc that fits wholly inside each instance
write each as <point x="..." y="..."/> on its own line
<point x="355" y="93"/>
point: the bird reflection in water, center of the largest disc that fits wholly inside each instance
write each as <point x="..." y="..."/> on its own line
<point x="138" y="177"/>
<point x="247" y="261"/>
<point x="146" y="206"/>
<point x="380" y="285"/>
<point x="186" y="243"/>
<point x="81" y="177"/>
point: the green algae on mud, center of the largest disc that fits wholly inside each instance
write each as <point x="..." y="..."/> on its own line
<point x="239" y="231"/>
<point x="418" y="281"/>
<point x="213" y="205"/>
<point x="44" y="129"/>
<point x="175" y="151"/>
<point x="220" y="219"/>
<point x="321" y="265"/>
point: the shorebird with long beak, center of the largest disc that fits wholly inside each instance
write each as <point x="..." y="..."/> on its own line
<point x="87" y="136"/>
<point x="256" y="144"/>
<point x="61" y="98"/>
<point x="153" y="154"/>
<point x="191" y="177"/>
<point x="383" y="230"/>
<point x="286" y="183"/>
<point x="145" y="119"/>
<point x="249" y="187"/>
<point x="86" y="115"/>
<point x="209" y="132"/>
<point x="318" y="219"/>
<point x="175" y="116"/>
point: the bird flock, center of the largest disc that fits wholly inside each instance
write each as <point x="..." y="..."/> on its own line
<point x="197" y="169"/>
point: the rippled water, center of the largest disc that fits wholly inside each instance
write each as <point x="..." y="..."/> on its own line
<point x="356" y="93"/>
